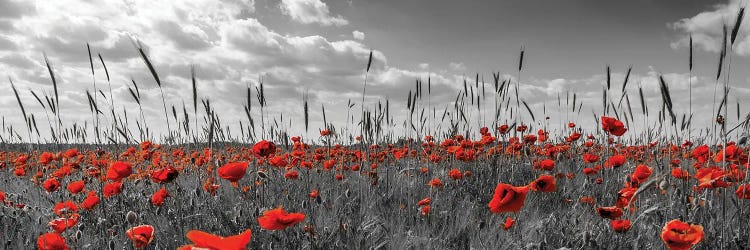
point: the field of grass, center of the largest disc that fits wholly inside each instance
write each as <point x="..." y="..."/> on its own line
<point x="449" y="179"/>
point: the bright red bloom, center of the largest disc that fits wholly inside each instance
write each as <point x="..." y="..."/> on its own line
<point x="313" y="194"/>
<point x="45" y="158"/>
<point x="203" y="240"/>
<point x="141" y="235"/>
<point x="641" y="174"/>
<point x="620" y="226"/>
<point x="65" y="207"/>
<point x="76" y="186"/>
<point x="51" y="184"/>
<point x="611" y="213"/>
<point x="291" y="174"/>
<point x="51" y="241"/>
<point x="545" y="183"/>
<point x="158" y="198"/>
<point x="264" y="148"/>
<point x="590" y="158"/>
<point x="455" y="174"/>
<point x="436" y="183"/>
<point x="164" y="175"/>
<point x="613" y="126"/>
<point x="508" y="198"/>
<point x="61" y="224"/>
<point x="112" y="189"/>
<point x="743" y="191"/>
<point x="678" y="235"/>
<point x="233" y="172"/>
<point x="278" y="219"/>
<point x="119" y="170"/>
<point x="547" y="164"/>
<point x="91" y="201"/>
<point x="425" y="201"/>
<point x="616" y="161"/>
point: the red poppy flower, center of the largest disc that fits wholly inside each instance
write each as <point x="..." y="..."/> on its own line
<point x="60" y="224"/>
<point x="119" y="170"/>
<point x="615" y="161"/>
<point x="76" y="186"/>
<point x="545" y="183"/>
<point x="455" y="174"/>
<point x="65" y="207"/>
<point x="425" y="210"/>
<point x="112" y="189"/>
<point x="233" y="172"/>
<point x="203" y="240"/>
<point x="547" y="164"/>
<point x="678" y="235"/>
<point x="313" y="194"/>
<point x="503" y="129"/>
<point x="45" y="158"/>
<point x="590" y="158"/>
<point x="508" y="198"/>
<point x="51" y="184"/>
<point x="141" y="235"/>
<point x="51" y="241"/>
<point x="158" y="198"/>
<point x="278" y="219"/>
<point x="508" y="223"/>
<point x="620" y="226"/>
<point x="91" y="201"/>
<point x="164" y="175"/>
<point x="613" y="126"/>
<point x="641" y="174"/>
<point x="435" y="183"/>
<point x="425" y="201"/>
<point x="264" y="148"/>
<point x="609" y="212"/>
<point x="743" y="191"/>
<point x="291" y="174"/>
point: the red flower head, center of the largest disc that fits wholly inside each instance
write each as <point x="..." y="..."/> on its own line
<point x="611" y="213"/>
<point x="141" y="235"/>
<point x="613" y="126"/>
<point x="508" y="223"/>
<point x="678" y="235"/>
<point x="424" y="202"/>
<point x="436" y="183"/>
<point x="615" y="161"/>
<point x="620" y="226"/>
<point x="203" y="240"/>
<point x="91" y="201"/>
<point x="545" y="183"/>
<point x="503" y="129"/>
<point x="264" y="148"/>
<point x="508" y="198"/>
<point x="164" y="175"/>
<point x="65" y="207"/>
<point x="590" y="158"/>
<point x="233" y="172"/>
<point x="547" y="164"/>
<point x="60" y="224"/>
<point x="291" y="174"/>
<point x="45" y="158"/>
<point x="119" y="170"/>
<point x="112" y="189"/>
<point x="76" y="186"/>
<point x="455" y="174"/>
<point x="51" y="184"/>
<point x="158" y="198"/>
<point x="743" y="191"/>
<point x="641" y="174"/>
<point x="425" y="210"/>
<point x="51" y="241"/>
<point x="278" y="219"/>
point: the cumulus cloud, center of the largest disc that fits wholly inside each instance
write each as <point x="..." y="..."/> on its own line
<point x="706" y="28"/>
<point x="359" y="35"/>
<point x="311" y="11"/>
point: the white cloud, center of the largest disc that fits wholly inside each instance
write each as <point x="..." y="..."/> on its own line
<point x="457" y="66"/>
<point x="311" y="11"/>
<point x="359" y="35"/>
<point x="706" y="28"/>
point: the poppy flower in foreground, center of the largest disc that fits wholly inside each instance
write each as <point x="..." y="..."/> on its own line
<point x="264" y="148"/>
<point x="164" y="175"/>
<point x="51" y="184"/>
<point x="609" y="212"/>
<point x="119" y="170"/>
<point x="76" y="187"/>
<point x="65" y="207"/>
<point x="141" y="235"/>
<point x="278" y="219"/>
<point x="233" y="172"/>
<point x="51" y="241"/>
<point x="680" y="235"/>
<point x="613" y="126"/>
<point x="425" y="201"/>
<point x="203" y="240"/>
<point x="60" y="224"/>
<point x="545" y="183"/>
<point x="508" y="198"/>
<point x="455" y="174"/>
<point x="620" y="226"/>
<point x="547" y="164"/>
<point x="91" y="201"/>
<point x="112" y="189"/>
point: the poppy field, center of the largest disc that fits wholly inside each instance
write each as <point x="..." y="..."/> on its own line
<point x="452" y="179"/>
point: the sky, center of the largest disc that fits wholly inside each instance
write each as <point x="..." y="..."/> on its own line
<point x="321" y="48"/>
